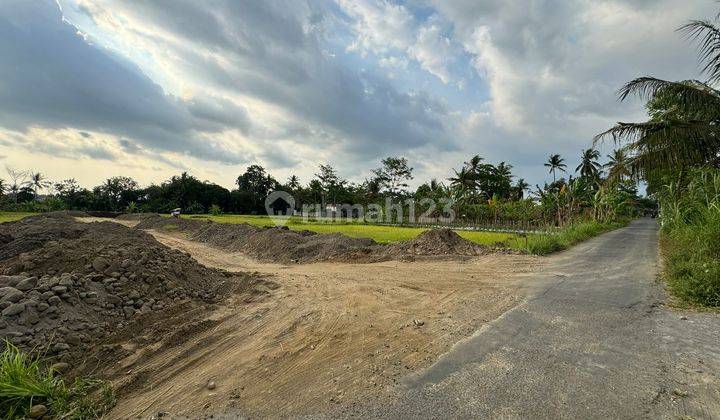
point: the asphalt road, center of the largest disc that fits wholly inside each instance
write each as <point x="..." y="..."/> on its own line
<point x="594" y="340"/>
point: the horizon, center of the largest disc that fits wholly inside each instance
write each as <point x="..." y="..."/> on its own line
<point x="93" y="90"/>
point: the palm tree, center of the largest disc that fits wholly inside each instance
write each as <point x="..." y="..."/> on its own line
<point x="473" y="165"/>
<point x="37" y="182"/>
<point x="520" y="187"/>
<point x="463" y="181"/>
<point x="293" y="183"/>
<point x="589" y="167"/>
<point x="555" y="162"/>
<point x="505" y="170"/>
<point x="618" y="165"/>
<point x="684" y="129"/>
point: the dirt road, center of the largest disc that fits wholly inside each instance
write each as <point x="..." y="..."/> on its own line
<point x="332" y="334"/>
<point x="594" y="341"/>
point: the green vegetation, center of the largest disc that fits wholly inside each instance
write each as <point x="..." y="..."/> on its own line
<point x="24" y="382"/>
<point x="570" y="235"/>
<point x="8" y="216"/>
<point x="676" y="152"/>
<point x="691" y="242"/>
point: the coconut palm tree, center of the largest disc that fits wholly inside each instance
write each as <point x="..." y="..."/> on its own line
<point x="519" y="188"/>
<point x="589" y="167"/>
<point x="463" y="181"/>
<point x="473" y="165"/>
<point x="555" y="162"/>
<point x="618" y="165"/>
<point x="684" y="129"/>
<point x="37" y="182"/>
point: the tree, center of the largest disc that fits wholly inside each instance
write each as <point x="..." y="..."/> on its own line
<point x="37" y="182"/>
<point x="330" y="183"/>
<point x="683" y="130"/>
<point x="393" y="175"/>
<point x="463" y="182"/>
<point x="116" y="192"/>
<point x="519" y="189"/>
<point x="293" y="184"/>
<point x="618" y="165"/>
<point x="255" y="185"/>
<point x="474" y="163"/>
<point x="555" y="162"/>
<point x="589" y="167"/>
<point x="17" y="180"/>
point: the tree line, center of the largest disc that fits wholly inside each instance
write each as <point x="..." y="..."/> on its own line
<point x="479" y="190"/>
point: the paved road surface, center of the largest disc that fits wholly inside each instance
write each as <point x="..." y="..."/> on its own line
<point x="593" y="341"/>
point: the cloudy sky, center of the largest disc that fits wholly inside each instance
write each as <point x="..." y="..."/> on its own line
<point x="148" y="88"/>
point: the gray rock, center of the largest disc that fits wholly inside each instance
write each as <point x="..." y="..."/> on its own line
<point x="14" y="309"/>
<point x="54" y="300"/>
<point x="10" y="280"/>
<point x="65" y="281"/>
<point x="27" y="284"/>
<point x="100" y="263"/>
<point x="42" y="306"/>
<point x="59" y="289"/>
<point x="7" y="291"/>
<point x="58" y="347"/>
<point x="32" y="318"/>
<point x="129" y="311"/>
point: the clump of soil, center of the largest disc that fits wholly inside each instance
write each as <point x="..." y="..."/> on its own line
<point x="439" y="242"/>
<point x="68" y="286"/>
<point x="288" y="246"/>
<point x="266" y="244"/>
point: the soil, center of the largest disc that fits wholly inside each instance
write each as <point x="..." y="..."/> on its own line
<point x="69" y="288"/>
<point x="185" y="324"/>
<point x="286" y="246"/>
<point x="333" y="333"/>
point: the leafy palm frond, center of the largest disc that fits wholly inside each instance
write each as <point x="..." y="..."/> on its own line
<point x="708" y="36"/>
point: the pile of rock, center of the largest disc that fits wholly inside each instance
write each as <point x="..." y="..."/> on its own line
<point x="66" y="295"/>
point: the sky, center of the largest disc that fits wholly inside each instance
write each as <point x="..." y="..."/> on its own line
<point x="91" y="89"/>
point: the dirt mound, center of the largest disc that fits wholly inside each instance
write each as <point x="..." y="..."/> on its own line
<point x="32" y="232"/>
<point x="68" y="286"/>
<point x="133" y="217"/>
<point x="288" y="246"/>
<point x="439" y="242"/>
<point x="266" y="244"/>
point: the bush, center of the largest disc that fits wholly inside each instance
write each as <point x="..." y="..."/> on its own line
<point x="570" y="235"/>
<point x="24" y="382"/>
<point x="215" y="210"/>
<point x="691" y="237"/>
<point x="194" y="208"/>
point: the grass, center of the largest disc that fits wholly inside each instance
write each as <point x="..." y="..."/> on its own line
<point x="11" y="216"/>
<point x="569" y="236"/>
<point x="24" y="382"/>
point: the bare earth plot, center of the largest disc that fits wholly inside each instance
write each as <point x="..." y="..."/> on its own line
<point x="331" y="334"/>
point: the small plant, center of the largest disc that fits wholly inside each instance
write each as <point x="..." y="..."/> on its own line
<point x="25" y="382"/>
<point x="131" y="207"/>
<point x="215" y="210"/>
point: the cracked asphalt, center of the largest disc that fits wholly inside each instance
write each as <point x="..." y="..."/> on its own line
<point x="593" y="340"/>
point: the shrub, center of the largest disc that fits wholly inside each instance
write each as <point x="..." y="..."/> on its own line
<point x="691" y="237"/>
<point x="570" y="235"/>
<point x="215" y="210"/>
